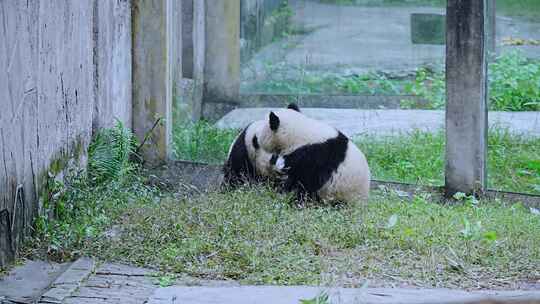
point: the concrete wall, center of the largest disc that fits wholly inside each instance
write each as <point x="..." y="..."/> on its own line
<point x="112" y="36"/>
<point x="187" y="38"/>
<point x="157" y="67"/>
<point x="65" y="68"/>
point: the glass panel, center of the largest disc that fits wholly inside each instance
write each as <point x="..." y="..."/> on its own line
<point x="341" y="47"/>
<point x="374" y="69"/>
<point x="514" y="96"/>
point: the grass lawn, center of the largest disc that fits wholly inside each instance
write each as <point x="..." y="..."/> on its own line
<point x="513" y="161"/>
<point x="256" y="236"/>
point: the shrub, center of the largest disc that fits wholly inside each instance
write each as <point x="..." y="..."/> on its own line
<point x="109" y="152"/>
<point x="514" y="83"/>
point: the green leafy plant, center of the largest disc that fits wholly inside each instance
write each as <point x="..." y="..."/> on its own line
<point x="202" y="141"/>
<point x="109" y="153"/>
<point x="322" y="298"/>
<point x="428" y="85"/>
<point x="279" y="80"/>
<point x="78" y="208"/>
<point x="166" y="280"/>
<point x="514" y="83"/>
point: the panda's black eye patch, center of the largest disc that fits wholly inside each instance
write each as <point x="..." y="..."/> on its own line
<point x="255" y="142"/>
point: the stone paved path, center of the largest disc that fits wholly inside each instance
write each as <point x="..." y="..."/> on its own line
<point x="88" y="282"/>
<point x="293" y="294"/>
<point x="387" y="122"/>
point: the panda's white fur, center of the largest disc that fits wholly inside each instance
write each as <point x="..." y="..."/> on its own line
<point x="295" y="130"/>
<point x="258" y="156"/>
<point x="246" y="161"/>
<point x="327" y="165"/>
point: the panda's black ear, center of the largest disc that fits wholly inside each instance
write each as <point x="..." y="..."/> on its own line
<point x="293" y="106"/>
<point x="274" y="121"/>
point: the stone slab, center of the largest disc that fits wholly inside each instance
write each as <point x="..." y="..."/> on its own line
<point x="293" y="294"/>
<point x="66" y="284"/>
<point x="387" y="122"/>
<point x="26" y="282"/>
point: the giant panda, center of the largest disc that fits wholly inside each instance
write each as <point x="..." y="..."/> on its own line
<point x="246" y="161"/>
<point x="316" y="160"/>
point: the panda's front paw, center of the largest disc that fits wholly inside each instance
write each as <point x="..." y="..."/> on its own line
<point x="278" y="164"/>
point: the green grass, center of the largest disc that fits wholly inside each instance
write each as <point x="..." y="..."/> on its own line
<point x="202" y="142"/>
<point x="513" y="160"/>
<point x="255" y="236"/>
<point x="279" y="80"/>
<point x="79" y="208"/>
<point x="414" y="158"/>
<point x="80" y="213"/>
<point x="419" y="158"/>
<point x="513" y="80"/>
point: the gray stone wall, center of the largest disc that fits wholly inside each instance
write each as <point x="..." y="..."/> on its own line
<point x="66" y="67"/>
<point x="112" y="41"/>
<point x="187" y="38"/>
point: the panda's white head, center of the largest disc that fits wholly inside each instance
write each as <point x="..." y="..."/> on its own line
<point x="287" y="129"/>
<point x="259" y="157"/>
<point x="246" y="160"/>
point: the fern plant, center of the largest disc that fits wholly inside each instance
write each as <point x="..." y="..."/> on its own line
<point x="109" y="152"/>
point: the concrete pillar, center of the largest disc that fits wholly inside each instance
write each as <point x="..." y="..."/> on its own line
<point x="152" y="79"/>
<point x="466" y="106"/>
<point x="187" y="37"/>
<point x="199" y="55"/>
<point x="222" y="68"/>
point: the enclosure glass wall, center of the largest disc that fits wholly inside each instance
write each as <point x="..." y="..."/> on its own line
<point x="374" y="69"/>
<point x="514" y="96"/>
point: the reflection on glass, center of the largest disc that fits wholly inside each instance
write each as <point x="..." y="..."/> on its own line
<point x="363" y="66"/>
<point x="342" y="47"/>
<point x="514" y="96"/>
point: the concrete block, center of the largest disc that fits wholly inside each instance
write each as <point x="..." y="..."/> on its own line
<point x="428" y="28"/>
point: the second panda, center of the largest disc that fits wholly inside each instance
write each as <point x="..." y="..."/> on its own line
<point x="318" y="161"/>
